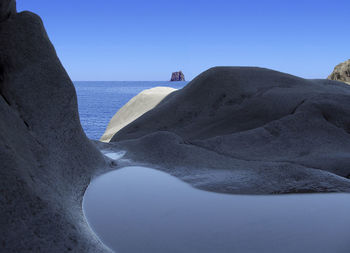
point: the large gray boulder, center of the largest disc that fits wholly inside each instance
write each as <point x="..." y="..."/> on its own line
<point x="341" y="72"/>
<point x="46" y="159"/>
<point x="268" y="131"/>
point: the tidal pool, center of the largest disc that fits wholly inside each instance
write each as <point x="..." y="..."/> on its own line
<point x="141" y="210"/>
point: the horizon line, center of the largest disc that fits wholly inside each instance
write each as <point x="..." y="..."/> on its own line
<point x="129" y="81"/>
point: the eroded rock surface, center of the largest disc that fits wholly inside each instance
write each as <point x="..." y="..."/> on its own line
<point x="249" y="130"/>
<point x="46" y="159"/>
<point x="341" y="72"/>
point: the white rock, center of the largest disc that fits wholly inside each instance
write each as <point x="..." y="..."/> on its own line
<point x="136" y="107"/>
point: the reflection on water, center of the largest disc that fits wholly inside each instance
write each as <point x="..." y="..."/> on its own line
<point x="114" y="155"/>
<point x="138" y="209"/>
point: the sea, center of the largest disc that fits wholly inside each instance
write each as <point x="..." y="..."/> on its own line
<point x="98" y="101"/>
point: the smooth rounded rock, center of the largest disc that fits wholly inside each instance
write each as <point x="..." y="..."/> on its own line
<point x="136" y="107"/>
<point x="249" y="130"/>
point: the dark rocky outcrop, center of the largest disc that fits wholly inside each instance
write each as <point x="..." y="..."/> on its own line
<point x="248" y="130"/>
<point x="341" y="72"/>
<point x="46" y="159"/>
<point x="7" y="9"/>
<point x="177" y="76"/>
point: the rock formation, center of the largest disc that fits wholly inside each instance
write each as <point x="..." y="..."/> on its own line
<point x="7" y="9"/>
<point x="177" y="76"/>
<point x="236" y="130"/>
<point x="248" y="130"/>
<point x="136" y="107"/>
<point x="46" y="159"/>
<point x="341" y="72"/>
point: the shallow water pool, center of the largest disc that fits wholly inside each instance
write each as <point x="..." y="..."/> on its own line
<point x="138" y="209"/>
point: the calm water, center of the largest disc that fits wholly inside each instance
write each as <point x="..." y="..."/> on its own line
<point x="99" y="101"/>
<point x="138" y="209"/>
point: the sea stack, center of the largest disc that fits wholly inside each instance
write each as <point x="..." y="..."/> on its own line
<point x="177" y="76"/>
<point x="341" y="72"/>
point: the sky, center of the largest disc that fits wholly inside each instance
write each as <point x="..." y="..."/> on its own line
<point x="134" y="40"/>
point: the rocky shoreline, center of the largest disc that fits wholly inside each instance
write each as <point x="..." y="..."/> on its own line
<point x="232" y="130"/>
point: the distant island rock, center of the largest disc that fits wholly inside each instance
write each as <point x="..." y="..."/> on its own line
<point x="341" y="72"/>
<point x="177" y="76"/>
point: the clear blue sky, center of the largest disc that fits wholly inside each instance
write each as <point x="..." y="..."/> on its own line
<point x="147" y="40"/>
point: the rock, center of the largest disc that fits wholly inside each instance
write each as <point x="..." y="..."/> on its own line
<point x="177" y="76"/>
<point x="341" y="72"/>
<point x="46" y="160"/>
<point x="136" y="107"/>
<point x="248" y="130"/>
<point x="7" y="9"/>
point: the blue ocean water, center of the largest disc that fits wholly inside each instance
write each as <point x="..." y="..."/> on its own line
<point x="99" y="101"/>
